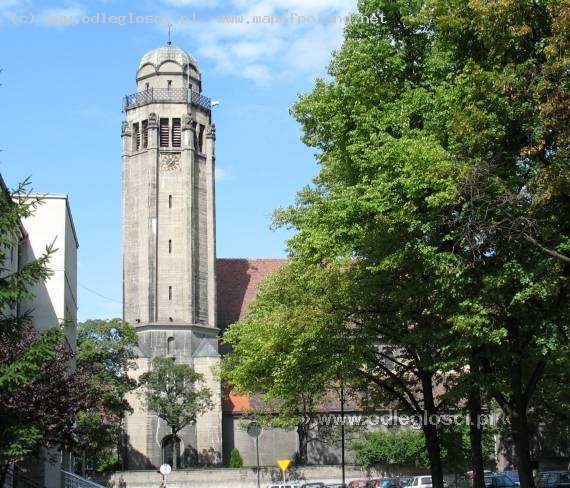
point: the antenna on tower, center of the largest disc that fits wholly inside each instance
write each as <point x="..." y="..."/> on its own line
<point x="169" y="35"/>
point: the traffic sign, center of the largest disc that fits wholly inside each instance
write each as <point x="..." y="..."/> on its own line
<point x="165" y="469"/>
<point x="254" y="429"/>
<point x="284" y="464"/>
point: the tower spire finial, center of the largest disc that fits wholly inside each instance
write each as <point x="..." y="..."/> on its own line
<point x="169" y="43"/>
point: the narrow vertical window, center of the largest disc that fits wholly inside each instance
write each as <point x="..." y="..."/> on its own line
<point x="169" y="84"/>
<point x="146" y="86"/>
<point x="136" y="136"/>
<point x="169" y="201"/>
<point x="145" y="134"/>
<point x="164" y="133"/>
<point x="169" y="246"/>
<point x="201" y="138"/>
<point x="170" y="345"/>
<point x="176" y="133"/>
<point x="170" y="293"/>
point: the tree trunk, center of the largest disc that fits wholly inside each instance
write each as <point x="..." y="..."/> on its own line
<point x="303" y="434"/>
<point x="4" y="467"/>
<point x="175" y="447"/>
<point x="430" y="430"/>
<point x="521" y="435"/>
<point x="476" y="437"/>
<point x="519" y="425"/>
<point x="434" y="455"/>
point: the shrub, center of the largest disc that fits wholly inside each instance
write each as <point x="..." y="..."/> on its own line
<point x="236" y="460"/>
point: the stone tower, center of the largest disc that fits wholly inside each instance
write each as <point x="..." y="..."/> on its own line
<point x="169" y="283"/>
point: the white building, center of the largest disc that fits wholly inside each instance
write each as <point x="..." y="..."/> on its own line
<point x="54" y="302"/>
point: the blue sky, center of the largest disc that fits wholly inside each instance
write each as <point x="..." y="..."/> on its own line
<point x="67" y="65"/>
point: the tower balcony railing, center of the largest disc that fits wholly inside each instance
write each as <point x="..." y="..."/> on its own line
<point x="158" y="95"/>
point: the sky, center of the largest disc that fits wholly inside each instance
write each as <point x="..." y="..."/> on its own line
<point x="67" y="64"/>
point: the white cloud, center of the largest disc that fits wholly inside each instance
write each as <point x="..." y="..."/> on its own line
<point x="223" y="174"/>
<point x="297" y="42"/>
<point x="191" y="3"/>
<point x="61" y="17"/>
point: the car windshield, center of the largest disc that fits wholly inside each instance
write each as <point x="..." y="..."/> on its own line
<point x="425" y="480"/>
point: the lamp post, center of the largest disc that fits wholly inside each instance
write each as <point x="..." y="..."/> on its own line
<point x="342" y="430"/>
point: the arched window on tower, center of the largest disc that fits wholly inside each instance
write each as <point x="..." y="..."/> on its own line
<point x="171" y="451"/>
<point x="170" y="346"/>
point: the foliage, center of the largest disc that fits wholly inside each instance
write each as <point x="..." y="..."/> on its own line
<point x="405" y="448"/>
<point x="105" y="353"/>
<point x="174" y="393"/>
<point x="236" y="460"/>
<point x="440" y="207"/>
<point x="39" y="397"/>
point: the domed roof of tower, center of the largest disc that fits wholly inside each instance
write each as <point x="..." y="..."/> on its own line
<point x="167" y="53"/>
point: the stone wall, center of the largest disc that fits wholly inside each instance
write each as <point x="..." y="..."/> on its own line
<point x="229" y="478"/>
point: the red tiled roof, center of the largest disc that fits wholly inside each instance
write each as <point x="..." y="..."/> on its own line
<point x="237" y="285"/>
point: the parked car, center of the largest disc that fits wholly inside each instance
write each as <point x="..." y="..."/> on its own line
<point x="499" y="481"/>
<point x="336" y="485"/>
<point x="358" y="484"/>
<point x="284" y="485"/>
<point x="385" y="483"/>
<point x="315" y="484"/>
<point x="513" y="475"/>
<point x="421" y="482"/>
<point x="406" y="480"/>
<point x="553" y="479"/>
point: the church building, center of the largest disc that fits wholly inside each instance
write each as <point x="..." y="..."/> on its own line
<point x="176" y="293"/>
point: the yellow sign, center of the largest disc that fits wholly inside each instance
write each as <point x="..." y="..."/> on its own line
<point x="284" y="464"/>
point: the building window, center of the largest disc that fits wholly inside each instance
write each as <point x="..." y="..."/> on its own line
<point x="146" y="86"/>
<point x="145" y="134"/>
<point x="170" y="293"/>
<point x="136" y="136"/>
<point x="164" y="133"/>
<point x="170" y="345"/>
<point x="176" y="133"/>
<point x="169" y="84"/>
<point x="169" y="201"/>
<point x="201" y="129"/>
<point x="169" y="246"/>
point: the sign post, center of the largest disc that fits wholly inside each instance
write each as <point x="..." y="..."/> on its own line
<point x="284" y="464"/>
<point x="165" y="470"/>
<point x="254" y="430"/>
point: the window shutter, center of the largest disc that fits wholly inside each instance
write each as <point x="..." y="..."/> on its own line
<point x="164" y="133"/>
<point x="145" y="134"/>
<point x="136" y="136"/>
<point x="176" y="133"/>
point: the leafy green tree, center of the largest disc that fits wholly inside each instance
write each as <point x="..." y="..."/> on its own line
<point x="105" y="354"/>
<point x="173" y="391"/>
<point x="39" y="398"/>
<point x="444" y="178"/>
<point x="236" y="460"/>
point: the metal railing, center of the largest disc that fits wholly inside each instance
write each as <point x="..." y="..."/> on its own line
<point x="71" y="480"/>
<point x="179" y="95"/>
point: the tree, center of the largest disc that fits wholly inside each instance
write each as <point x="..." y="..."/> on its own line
<point x="105" y="354"/>
<point x="39" y="396"/>
<point x="174" y="393"/>
<point x="236" y="460"/>
<point x="278" y="351"/>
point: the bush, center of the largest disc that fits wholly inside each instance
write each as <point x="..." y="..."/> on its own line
<point x="236" y="460"/>
<point x="406" y="448"/>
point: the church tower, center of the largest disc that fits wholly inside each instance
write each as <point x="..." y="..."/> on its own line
<point x="169" y="254"/>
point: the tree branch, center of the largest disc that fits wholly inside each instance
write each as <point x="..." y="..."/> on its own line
<point x="550" y="252"/>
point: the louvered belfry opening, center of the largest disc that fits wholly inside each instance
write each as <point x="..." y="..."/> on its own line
<point x="176" y="133"/>
<point x="145" y="134"/>
<point x="136" y="136"/>
<point x="164" y="133"/>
